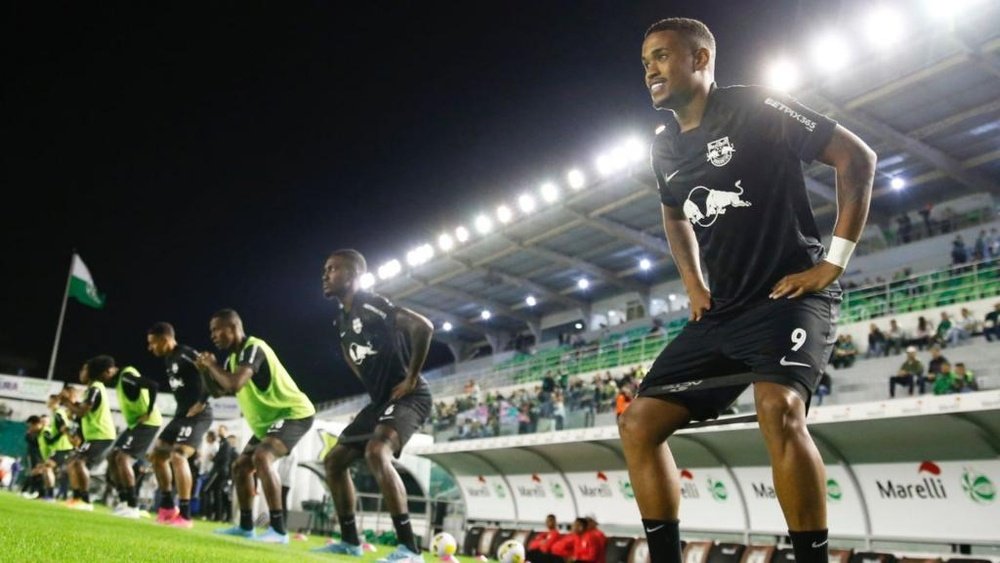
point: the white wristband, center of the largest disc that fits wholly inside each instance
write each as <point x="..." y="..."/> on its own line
<point x="840" y="251"/>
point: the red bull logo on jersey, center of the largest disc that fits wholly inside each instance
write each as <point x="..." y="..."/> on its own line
<point x="715" y="203"/>
<point x="720" y="151"/>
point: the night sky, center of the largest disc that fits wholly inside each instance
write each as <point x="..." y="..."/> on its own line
<point x="203" y="156"/>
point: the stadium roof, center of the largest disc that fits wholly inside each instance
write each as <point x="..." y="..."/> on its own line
<point x="928" y="103"/>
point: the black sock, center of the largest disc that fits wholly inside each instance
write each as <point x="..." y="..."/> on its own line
<point x="185" y="509"/>
<point x="85" y="496"/>
<point x="166" y="500"/>
<point x="122" y="495"/>
<point x="49" y="492"/>
<point x="664" y="540"/>
<point x="404" y="532"/>
<point x="77" y="494"/>
<point x="810" y="547"/>
<point x="278" y="521"/>
<point x="246" y="519"/>
<point x="284" y="501"/>
<point x="128" y="497"/>
<point x="348" y="530"/>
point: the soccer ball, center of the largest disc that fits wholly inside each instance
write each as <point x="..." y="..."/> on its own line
<point x="511" y="551"/>
<point x="444" y="545"/>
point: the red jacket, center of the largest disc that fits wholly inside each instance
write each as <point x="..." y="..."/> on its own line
<point x="598" y="543"/>
<point x="543" y="541"/>
<point x="565" y="546"/>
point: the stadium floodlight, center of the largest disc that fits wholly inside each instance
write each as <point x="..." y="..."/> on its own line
<point x="672" y="297"/>
<point x="550" y="193"/>
<point x="604" y="165"/>
<point x="389" y="269"/>
<point x="486" y="314"/>
<point x="526" y="202"/>
<point x="620" y="158"/>
<point x="884" y="26"/>
<point x="416" y="257"/>
<point x="367" y="280"/>
<point x="483" y="224"/>
<point x="947" y="9"/>
<point x="462" y="234"/>
<point x="782" y="75"/>
<point x="635" y="150"/>
<point x="583" y="283"/>
<point x="830" y="53"/>
<point x="578" y="326"/>
<point x="446" y="326"/>
<point x="645" y="264"/>
<point x="531" y="301"/>
<point x="504" y="214"/>
<point x="575" y="179"/>
<point x="897" y="183"/>
<point x="445" y="242"/>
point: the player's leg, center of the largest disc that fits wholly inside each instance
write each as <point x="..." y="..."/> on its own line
<point x="182" y="478"/>
<point x="243" y="480"/>
<point x="160" y="459"/>
<point x="379" y="452"/>
<point x="338" y="478"/>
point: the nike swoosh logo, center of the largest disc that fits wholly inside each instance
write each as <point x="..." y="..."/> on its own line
<point x="655" y="528"/>
<point x="407" y="521"/>
<point x="785" y="362"/>
<point x="670" y="177"/>
<point x="821" y="544"/>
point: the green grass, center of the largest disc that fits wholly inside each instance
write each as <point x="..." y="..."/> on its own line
<point x="32" y="530"/>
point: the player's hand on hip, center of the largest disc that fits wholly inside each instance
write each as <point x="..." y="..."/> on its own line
<point x="701" y="301"/>
<point x="812" y="280"/>
<point x="403" y="388"/>
<point x="142" y="419"/>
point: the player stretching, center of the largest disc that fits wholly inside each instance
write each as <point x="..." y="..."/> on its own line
<point x="137" y="401"/>
<point x="277" y="412"/>
<point x="94" y="414"/>
<point x="369" y="327"/>
<point x="729" y="170"/>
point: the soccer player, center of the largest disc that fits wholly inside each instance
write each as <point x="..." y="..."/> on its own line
<point x="182" y="436"/>
<point x="34" y="485"/>
<point x="369" y="327"/>
<point x="94" y="414"/>
<point x="728" y="168"/>
<point x="137" y="401"/>
<point x="278" y="413"/>
<point x="56" y="447"/>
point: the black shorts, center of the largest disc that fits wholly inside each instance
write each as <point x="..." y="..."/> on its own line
<point x="289" y="431"/>
<point x="135" y="441"/>
<point x="405" y="416"/>
<point x="59" y="458"/>
<point x="184" y="431"/>
<point x="93" y="452"/>
<point x="712" y="361"/>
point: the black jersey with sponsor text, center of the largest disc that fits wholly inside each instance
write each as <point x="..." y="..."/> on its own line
<point x="738" y="179"/>
<point x="185" y="380"/>
<point x="372" y="345"/>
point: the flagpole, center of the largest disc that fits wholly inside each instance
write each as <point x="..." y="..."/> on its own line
<point x="62" y="315"/>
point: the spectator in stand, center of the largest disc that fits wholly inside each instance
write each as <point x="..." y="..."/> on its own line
<point x="964" y="328"/>
<point x="909" y="373"/>
<point x="905" y="228"/>
<point x="540" y="547"/>
<point x="924" y="336"/>
<point x="844" y="352"/>
<point x="943" y="331"/>
<point x="824" y="387"/>
<point x="959" y="381"/>
<point x="979" y="247"/>
<point x="657" y="327"/>
<point x="959" y="254"/>
<point x="895" y="339"/>
<point x="622" y="400"/>
<point x="935" y="363"/>
<point x="558" y="410"/>
<point x="876" y="342"/>
<point x="567" y="547"/>
<point x="925" y="213"/>
<point x="595" y="538"/>
<point x="993" y="243"/>
<point x="991" y="326"/>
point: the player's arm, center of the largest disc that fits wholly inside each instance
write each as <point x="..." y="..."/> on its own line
<point x="190" y="356"/>
<point x="152" y="387"/>
<point x="684" y="249"/>
<point x="854" y="162"/>
<point x="79" y="410"/>
<point x="230" y="382"/>
<point x="418" y="331"/>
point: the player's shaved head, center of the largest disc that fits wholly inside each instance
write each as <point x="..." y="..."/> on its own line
<point x="162" y="329"/>
<point x="356" y="259"/>
<point x="229" y="317"/>
<point x="694" y="32"/>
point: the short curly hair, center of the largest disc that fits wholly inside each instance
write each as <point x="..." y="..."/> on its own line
<point x="693" y="31"/>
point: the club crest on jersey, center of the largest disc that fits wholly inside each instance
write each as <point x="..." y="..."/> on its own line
<point x="720" y="151"/>
<point x="174" y="368"/>
<point x="359" y="352"/>
<point x="715" y="203"/>
<point x="356" y="325"/>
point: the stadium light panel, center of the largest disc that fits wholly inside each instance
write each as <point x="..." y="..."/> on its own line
<point x="619" y="158"/>
<point x="531" y="301"/>
<point x="462" y="234"/>
<point x="782" y="75"/>
<point x="504" y="214"/>
<point x="635" y="150"/>
<point x="897" y="183"/>
<point x="550" y="193"/>
<point x="578" y="326"/>
<point x="575" y="179"/>
<point x="884" y="27"/>
<point x="830" y="53"/>
<point x="604" y="165"/>
<point x="583" y="283"/>
<point x="389" y="269"/>
<point x="486" y="314"/>
<point x="367" y="280"/>
<point x="445" y="242"/>
<point x="526" y="203"/>
<point x="484" y="224"/>
<point x="947" y="9"/>
<point x="645" y="264"/>
<point x="446" y="326"/>
<point x="672" y="297"/>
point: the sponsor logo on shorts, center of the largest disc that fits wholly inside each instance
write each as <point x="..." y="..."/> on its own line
<point x="679" y="387"/>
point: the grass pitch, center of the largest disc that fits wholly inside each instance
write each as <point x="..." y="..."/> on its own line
<point x="34" y="531"/>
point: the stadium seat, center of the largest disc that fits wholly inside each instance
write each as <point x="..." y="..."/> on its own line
<point x="471" y="545"/>
<point x="840" y="555"/>
<point x="486" y="541"/>
<point x="499" y="537"/>
<point x="639" y="552"/>
<point x="964" y="560"/>
<point x="758" y="554"/>
<point x="618" y="549"/>
<point x="872" y="557"/>
<point x="783" y="555"/>
<point x="522" y="537"/>
<point x="920" y="560"/>
<point x="697" y="551"/>
<point x="726" y="553"/>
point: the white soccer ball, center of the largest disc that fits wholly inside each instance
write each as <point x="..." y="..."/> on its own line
<point x="444" y="545"/>
<point x="511" y="551"/>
